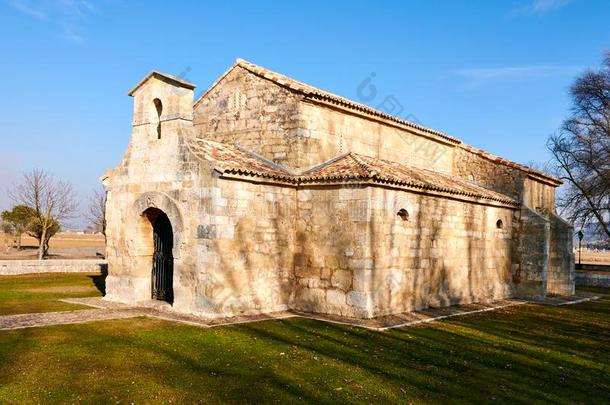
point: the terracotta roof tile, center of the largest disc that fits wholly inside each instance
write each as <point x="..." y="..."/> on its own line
<point x="353" y="165"/>
<point x="233" y="159"/>
<point x="347" y="167"/>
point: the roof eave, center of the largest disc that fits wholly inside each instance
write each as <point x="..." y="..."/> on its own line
<point x="258" y="178"/>
<point x="164" y="76"/>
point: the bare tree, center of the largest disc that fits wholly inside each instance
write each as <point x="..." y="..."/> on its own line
<point x="96" y="213"/>
<point x="53" y="202"/>
<point x="542" y="167"/>
<point x="581" y="151"/>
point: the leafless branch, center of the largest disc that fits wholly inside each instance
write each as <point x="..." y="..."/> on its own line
<point x="581" y="151"/>
<point x="52" y="201"/>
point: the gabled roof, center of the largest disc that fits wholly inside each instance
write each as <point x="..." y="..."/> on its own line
<point x="319" y="95"/>
<point x="349" y="167"/>
<point x="163" y="76"/>
<point x="356" y="166"/>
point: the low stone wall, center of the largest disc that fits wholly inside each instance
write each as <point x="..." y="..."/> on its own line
<point x="592" y="280"/>
<point x="14" y="267"/>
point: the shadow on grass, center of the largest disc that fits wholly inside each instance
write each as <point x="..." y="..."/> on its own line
<point x="521" y="355"/>
<point x="531" y="355"/>
<point x="100" y="279"/>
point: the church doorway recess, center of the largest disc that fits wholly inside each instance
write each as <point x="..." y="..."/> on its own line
<point x="163" y="261"/>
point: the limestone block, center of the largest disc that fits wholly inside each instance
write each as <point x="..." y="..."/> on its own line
<point x="304" y="195"/>
<point x="359" y="299"/>
<point x="342" y="279"/>
<point x="336" y="298"/>
<point x="315" y="296"/>
<point x="361" y="263"/>
<point x="363" y="280"/>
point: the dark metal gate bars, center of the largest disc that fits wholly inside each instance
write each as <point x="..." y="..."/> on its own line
<point x="163" y="260"/>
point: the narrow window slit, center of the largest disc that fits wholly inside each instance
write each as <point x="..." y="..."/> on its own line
<point x="159" y="108"/>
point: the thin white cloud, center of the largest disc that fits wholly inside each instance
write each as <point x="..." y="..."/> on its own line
<point x="80" y="8"/>
<point x="481" y="76"/>
<point x="28" y="8"/>
<point x="540" y="7"/>
<point x="533" y="71"/>
<point x="66" y="16"/>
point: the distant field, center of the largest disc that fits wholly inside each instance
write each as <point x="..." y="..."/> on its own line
<point x="593" y="257"/>
<point x="64" y="245"/>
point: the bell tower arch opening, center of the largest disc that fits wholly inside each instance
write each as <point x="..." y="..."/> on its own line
<point x="159" y="108"/>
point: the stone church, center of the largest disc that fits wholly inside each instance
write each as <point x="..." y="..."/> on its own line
<point x="267" y="194"/>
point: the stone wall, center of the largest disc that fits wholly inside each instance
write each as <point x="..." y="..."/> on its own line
<point x="14" y="267"/>
<point x="130" y="240"/>
<point x="473" y="167"/>
<point x="538" y="195"/>
<point x="245" y="245"/>
<point x="544" y="259"/>
<point x="531" y="260"/>
<point x="327" y="132"/>
<point x="561" y="275"/>
<point x="233" y="243"/>
<point x="332" y="250"/>
<point x="447" y="252"/>
<point x="357" y="257"/>
<point x="250" y="111"/>
<point x="585" y="279"/>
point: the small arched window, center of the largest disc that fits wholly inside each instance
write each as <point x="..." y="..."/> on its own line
<point x="499" y="224"/>
<point x="159" y="108"/>
<point x="403" y="214"/>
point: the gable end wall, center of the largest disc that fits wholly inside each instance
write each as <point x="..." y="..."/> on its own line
<point x="252" y="112"/>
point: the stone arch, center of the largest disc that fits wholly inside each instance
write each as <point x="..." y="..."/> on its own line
<point x="163" y="203"/>
<point x="141" y="248"/>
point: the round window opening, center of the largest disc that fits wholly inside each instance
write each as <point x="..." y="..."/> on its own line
<point x="499" y="224"/>
<point x="403" y="214"/>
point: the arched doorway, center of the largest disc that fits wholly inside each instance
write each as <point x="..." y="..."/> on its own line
<point x="163" y="260"/>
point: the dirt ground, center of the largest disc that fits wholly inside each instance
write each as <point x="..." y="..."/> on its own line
<point x="64" y="245"/>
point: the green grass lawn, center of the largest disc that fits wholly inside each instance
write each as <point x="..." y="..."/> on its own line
<point x="523" y="354"/>
<point x="41" y="292"/>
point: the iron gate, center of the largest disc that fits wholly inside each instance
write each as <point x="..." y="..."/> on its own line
<point x="163" y="260"/>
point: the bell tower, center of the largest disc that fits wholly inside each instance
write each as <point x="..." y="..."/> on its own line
<point x="162" y="123"/>
<point x="162" y="103"/>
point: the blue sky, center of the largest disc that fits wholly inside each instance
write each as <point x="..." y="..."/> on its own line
<point x="492" y="73"/>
